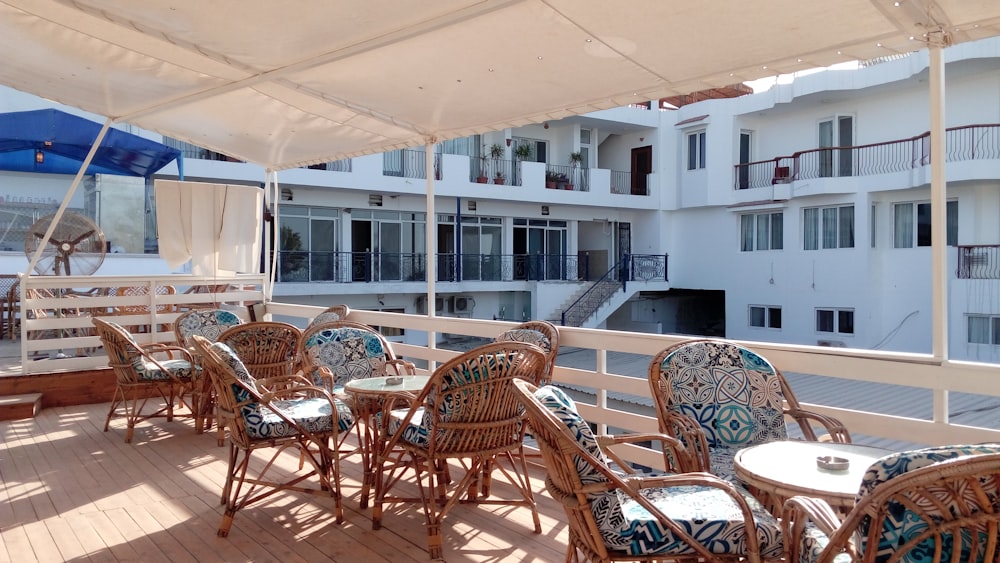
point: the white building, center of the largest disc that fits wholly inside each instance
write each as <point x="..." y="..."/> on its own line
<point x="736" y="216"/>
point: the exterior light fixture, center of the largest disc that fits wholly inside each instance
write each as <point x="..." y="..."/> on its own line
<point x="39" y="156"/>
<point x="508" y="141"/>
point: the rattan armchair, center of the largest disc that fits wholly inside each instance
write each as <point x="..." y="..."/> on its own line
<point x="140" y="374"/>
<point x="615" y="514"/>
<point x="209" y="324"/>
<point x="932" y="505"/>
<point x="467" y="413"/>
<point x="302" y="417"/>
<point x="335" y="352"/>
<point x="330" y="314"/>
<point x="718" y="397"/>
<point x="543" y="334"/>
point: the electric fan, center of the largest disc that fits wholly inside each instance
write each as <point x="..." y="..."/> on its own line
<point x="76" y="247"/>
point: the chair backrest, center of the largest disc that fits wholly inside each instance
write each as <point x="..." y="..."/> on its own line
<point x="207" y="323"/>
<point x="332" y="313"/>
<point x="543" y="334"/>
<point x="912" y="502"/>
<point x="143" y="290"/>
<point x="124" y="355"/>
<point x="266" y="348"/>
<point x="235" y="388"/>
<point x="735" y="394"/>
<point x="469" y="403"/>
<point x="349" y="350"/>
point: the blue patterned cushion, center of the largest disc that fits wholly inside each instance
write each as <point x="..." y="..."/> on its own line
<point x="325" y="317"/>
<point x="708" y="514"/>
<point x="181" y="369"/>
<point x="350" y="353"/>
<point x="208" y="323"/>
<point x="314" y="414"/>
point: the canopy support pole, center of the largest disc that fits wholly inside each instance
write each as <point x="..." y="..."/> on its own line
<point x="271" y="257"/>
<point x="430" y="246"/>
<point x="939" y="216"/>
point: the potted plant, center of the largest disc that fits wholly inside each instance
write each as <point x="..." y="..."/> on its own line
<point x="552" y="179"/>
<point x="522" y="151"/>
<point x="498" y="178"/>
<point x="482" y="178"/>
<point x="496" y="153"/>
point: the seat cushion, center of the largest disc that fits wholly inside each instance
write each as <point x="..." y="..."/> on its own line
<point x="709" y="515"/>
<point x="312" y="414"/>
<point x="208" y="324"/>
<point x="563" y="407"/>
<point x="230" y="358"/>
<point x="181" y="369"/>
<point x="527" y="335"/>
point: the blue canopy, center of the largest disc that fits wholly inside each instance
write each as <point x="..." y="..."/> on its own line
<point x="64" y="141"/>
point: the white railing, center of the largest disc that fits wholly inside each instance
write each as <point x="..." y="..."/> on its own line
<point x="905" y="370"/>
<point x="55" y="312"/>
<point x="912" y="371"/>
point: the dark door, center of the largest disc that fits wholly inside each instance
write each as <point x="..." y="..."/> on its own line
<point x="642" y="166"/>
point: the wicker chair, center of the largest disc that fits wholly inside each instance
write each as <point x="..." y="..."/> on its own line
<point x="932" y="505"/>
<point x="617" y="515"/>
<point x="336" y="352"/>
<point x="543" y="334"/>
<point x="209" y="324"/>
<point x="303" y="416"/>
<point x="269" y="350"/>
<point x="333" y="313"/>
<point x="467" y="412"/>
<point x="719" y="397"/>
<point x="144" y="309"/>
<point x="140" y="374"/>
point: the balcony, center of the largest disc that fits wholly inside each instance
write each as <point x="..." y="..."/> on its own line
<point x="160" y="495"/>
<point x="967" y="143"/>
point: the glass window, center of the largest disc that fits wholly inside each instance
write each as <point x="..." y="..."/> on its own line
<point x="696" y="150"/>
<point x="765" y="317"/>
<point x="840" y="321"/>
<point x="912" y="224"/>
<point x="761" y="231"/>
<point x="831" y="226"/>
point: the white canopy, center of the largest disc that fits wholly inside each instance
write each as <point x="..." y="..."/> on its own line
<point x="290" y="83"/>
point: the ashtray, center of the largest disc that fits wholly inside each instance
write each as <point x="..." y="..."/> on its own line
<point x="394" y="380"/>
<point x="833" y="463"/>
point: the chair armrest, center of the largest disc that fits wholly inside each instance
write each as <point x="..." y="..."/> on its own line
<point x="294" y="381"/>
<point x="800" y="515"/>
<point x="402" y="367"/>
<point x="676" y="457"/>
<point x="834" y="428"/>
<point x="168" y="349"/>
<point x="690" y="433"/>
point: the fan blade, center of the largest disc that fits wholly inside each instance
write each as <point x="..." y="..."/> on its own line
<point x="80" y="238"/>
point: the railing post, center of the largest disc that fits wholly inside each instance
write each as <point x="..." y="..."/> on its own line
<point x="626" y="270"/>
<point x="586" y="266"/>
<point x="666" y="278"/>
<point x="368" y="265"/>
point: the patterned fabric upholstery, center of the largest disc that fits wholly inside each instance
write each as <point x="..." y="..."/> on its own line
<point x="149" y="371"/>
<point x="710" y="514"/>
<point x="208" y="323"/>
<point x="734" y="395"/>
<point x="535" y="337"/>
<point x="314" y="414"/>
<point x="350" y="353"/>
<point x="903" y="526"/>
<point x="326" y="317"/>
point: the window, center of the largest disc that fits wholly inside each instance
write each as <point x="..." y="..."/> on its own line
<point x="840" y="321"/>
<point x="912" y="224"/>
<point x="765" y="316"/>
<point x="828" y="227"/>
<point x="836" y="135"/>
<point x="696" y="150"/>
<point x="761" y="231"/>
<point x="984" y="329"/>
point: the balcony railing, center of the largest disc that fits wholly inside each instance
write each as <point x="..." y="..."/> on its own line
<point x="969" y="142"/>
<point x="407" y="163"/>
<point x="346" y="267"/>
<point x="979" y="262"/>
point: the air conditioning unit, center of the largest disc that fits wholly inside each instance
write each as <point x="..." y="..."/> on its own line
<point x="831" y="343"/>
<point x="463" y="304"/>
<point x="421" y="303"/>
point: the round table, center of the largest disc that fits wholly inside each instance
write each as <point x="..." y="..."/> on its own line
<point x="783" y="469"/>
<point x="369" y="394"/>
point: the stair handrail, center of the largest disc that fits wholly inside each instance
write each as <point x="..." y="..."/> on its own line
<point x="618" y="269"/>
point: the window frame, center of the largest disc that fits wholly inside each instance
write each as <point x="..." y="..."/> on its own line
<point x="819" y="227"/>
<point x="837" y="318"/>
<point x="755" y="233"/>
<point x="916" y="238"/>
<point x="696" y="145"/>
<point x="768" y="321"/>
<point x="992" y="326"/>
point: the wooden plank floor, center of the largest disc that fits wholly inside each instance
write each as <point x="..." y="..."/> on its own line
<point x="71" y="492"/>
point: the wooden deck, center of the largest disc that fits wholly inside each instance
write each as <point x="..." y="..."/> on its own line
<point x="71" y="492"/>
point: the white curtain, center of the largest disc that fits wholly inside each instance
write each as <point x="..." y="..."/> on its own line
<point x="902" y="227"/>
<point x="215" y="226"/>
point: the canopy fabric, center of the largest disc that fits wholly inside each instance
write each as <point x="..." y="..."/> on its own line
<point x="64" y="141"/>
<point x="291" y="83"/>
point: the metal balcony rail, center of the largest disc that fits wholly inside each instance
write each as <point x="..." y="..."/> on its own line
<point x="407" y="163"/>
<point x="979" y="262"/>
<point x="968" y="142"/>
<point x="623" y="182"/>
<point x="347" y="267"/>
<point x="576" y="176"/>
